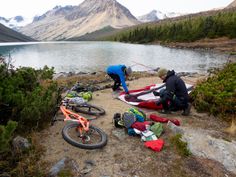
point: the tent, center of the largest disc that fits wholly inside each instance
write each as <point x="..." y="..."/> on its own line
<point x="144" y="97"/>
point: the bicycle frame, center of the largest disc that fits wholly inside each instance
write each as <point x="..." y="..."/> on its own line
<point x="71" y="116"/>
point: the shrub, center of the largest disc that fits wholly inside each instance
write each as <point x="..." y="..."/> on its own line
<point x="217" y="94"/>
<point x="26" y="97"/>
<point x="6" y="133"/>
<point x="180" y="145"/>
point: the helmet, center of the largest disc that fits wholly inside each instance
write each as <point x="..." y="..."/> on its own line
<point x="128" y="70"/>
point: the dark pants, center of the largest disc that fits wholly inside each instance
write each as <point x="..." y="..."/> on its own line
<point x="117" y="81"/>
<point x="173" y="104"/>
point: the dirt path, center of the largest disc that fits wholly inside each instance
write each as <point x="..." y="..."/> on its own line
<point x="126" y="155"/>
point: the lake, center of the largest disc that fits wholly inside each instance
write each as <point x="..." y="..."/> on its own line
<point x="96" y="56"/>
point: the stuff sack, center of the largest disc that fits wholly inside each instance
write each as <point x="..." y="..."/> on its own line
<point x="71" y="94"/>
<point x="157" y="129"/>
<point x="76" y="101"/>
<point x="128" y="119"/>
<point x="86" y="95"/>
<point x="140" y="115"/>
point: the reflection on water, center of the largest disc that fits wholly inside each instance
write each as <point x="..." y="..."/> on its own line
<point x="95" y="56"/>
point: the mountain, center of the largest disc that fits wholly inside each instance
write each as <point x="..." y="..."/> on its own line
<point x="15" y="22"/>
<point x="9" y="35"/>
<point x="155" y="15"/>
<point x="96" y="35"/>
<point x="62" y="23"/>
<point x="233" y="4"/>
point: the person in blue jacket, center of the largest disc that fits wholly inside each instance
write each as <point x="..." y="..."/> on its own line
<point x="119" y="73"/>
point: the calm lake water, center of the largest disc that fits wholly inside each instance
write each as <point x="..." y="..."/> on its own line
<point x="96" y="56"/>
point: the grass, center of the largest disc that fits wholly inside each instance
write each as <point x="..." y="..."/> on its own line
<point x="180" y="146"/>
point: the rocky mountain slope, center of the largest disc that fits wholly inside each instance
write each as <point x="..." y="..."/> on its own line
<point x="62" y="23"/>
<point x="9" y="35"/>
<point x="233" y="4"/>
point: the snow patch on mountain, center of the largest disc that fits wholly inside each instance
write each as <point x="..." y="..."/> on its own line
<point x="156" y="15"/>
<point x="15" y="22"/>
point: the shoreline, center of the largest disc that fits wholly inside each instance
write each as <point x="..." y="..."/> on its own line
<point x="100" y="80"/>
<point x="221" y="45"/>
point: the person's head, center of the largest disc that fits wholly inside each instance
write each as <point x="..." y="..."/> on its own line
<point x="128" y="71"/>
<point x="162" y="72"/>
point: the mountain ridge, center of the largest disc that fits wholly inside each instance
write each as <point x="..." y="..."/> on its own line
<point x="9" y="35"/>
<point x="91" y="15"/>
<point x="232" y="4"/>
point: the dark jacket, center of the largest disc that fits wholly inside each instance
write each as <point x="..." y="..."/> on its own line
<point x="175" y="86"/>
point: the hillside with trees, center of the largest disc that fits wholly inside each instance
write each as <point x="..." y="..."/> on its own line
<point x="188" y="28"/>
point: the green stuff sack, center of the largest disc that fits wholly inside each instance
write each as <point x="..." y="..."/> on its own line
<point x="86" y="95"/>
<point x="140" y="115"/>
<point x="157" y="129"/>
<point x="72" y="94"/>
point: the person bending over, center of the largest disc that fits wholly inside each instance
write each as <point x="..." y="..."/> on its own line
<point x="175" y="96"/>
<point x="119" y="73"/>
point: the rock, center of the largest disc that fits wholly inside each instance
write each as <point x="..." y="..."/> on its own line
<point x="175" y="129"/>
<point x="88" y="166"/>
<point x="156" y="69"/>
<point x="81" y="73"/>
<point x="180" y="74"/>
<point x="200" y="143"/>
<point x="89" y="162"/>
<point x="20" y="143"/>
<point x="64" y="163"/>
<point x="59" y="75"/>
<point x="119" y="134"/>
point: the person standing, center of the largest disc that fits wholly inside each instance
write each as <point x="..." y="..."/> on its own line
<point x="119" y="74"/>
<point x="175" y="96"/>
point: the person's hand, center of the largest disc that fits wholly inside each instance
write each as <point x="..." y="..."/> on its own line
<point x="155" y="93"/>
<point x="158" y="103"/>
<point x="127" y="95"/>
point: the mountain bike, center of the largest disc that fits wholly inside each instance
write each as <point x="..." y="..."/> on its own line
<point x="78" y="131"/>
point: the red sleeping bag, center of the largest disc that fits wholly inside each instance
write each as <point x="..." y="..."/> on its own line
<point x="157" y="118"/>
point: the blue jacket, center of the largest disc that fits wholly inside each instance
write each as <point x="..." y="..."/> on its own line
<point x="119" y="70"/>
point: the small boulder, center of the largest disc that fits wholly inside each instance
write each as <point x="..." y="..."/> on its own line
<point x="20" y="144"/>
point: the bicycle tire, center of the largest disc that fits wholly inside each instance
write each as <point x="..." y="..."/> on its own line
<point x="74" y="140"/>
<point x="89" y="109"/>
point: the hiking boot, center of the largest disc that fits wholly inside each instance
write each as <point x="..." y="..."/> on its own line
<point x="186" y="111"/>
<point x="165" y="112"/>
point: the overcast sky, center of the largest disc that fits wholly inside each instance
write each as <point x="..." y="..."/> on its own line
<point x="30" y="8"/>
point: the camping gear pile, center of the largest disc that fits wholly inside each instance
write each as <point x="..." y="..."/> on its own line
<point x="78" y="95"/>
<point x="135" y="123"/>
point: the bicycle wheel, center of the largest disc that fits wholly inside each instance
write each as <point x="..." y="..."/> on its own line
<point x="89" y="109"/>
<point x="93" y="139"/>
